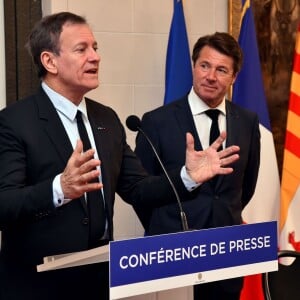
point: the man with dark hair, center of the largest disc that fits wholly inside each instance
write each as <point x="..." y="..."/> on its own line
<point x="63" y="157"/>
<point x="217" y="59"/>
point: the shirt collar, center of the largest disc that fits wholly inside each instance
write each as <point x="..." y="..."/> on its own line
<point x="198" y="106"/>
<point x="64" y="105"/>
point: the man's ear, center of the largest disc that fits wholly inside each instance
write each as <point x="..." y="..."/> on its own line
<point x="48" y="59"/>
<point x="234" y="78"/>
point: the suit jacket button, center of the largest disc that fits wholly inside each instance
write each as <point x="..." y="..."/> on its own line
<point x="85" y="221"/>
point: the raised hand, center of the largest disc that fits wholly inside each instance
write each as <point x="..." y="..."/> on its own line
<point x="203" y="165"/>
<point x="80" y="170"/>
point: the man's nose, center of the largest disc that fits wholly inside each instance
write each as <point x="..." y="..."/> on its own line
<point x="94" y="55"/>
<point x="211" y="74"/>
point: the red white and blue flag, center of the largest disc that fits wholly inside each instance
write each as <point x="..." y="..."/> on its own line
<point x="248" y="92"/>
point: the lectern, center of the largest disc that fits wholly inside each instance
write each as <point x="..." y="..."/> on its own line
<point x="92" y="256"/>
<point x="155" y="263"/>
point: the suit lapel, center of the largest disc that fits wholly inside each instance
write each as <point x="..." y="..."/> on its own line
<point x="101" y="130"/>
<point x="53" y="126"/>
<point x="231" y="125"/>
<point x="55" y="130"/>
<point x="185" y="120"/>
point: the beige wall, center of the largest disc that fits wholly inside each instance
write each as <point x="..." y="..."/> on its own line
<point x="132" y="37"/>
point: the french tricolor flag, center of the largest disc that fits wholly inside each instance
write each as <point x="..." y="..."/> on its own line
<point x="248" y="92"/>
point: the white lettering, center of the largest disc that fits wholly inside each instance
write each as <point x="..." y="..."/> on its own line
<point x="248" y="244"/>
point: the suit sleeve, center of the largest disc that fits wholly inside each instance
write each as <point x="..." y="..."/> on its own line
<point x="138" y="188"/>
<point x="143" y="149"/>
<point x="142" y="191"/>
<point x="19" y="200"/>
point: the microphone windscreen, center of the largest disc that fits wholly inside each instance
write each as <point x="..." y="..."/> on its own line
<point x="133" y="123"/>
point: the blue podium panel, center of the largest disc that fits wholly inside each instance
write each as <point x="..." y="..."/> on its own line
<point x="148" y="264"/>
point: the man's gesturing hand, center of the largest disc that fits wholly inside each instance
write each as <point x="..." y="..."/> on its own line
<point x="203" y="165"/>
<point x="79" y="172"/>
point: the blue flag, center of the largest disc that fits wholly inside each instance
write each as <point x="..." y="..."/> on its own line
<point x="248" y="90"/>
<point x="178" y="66"/>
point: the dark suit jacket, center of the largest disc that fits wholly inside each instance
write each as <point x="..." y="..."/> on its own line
<point x="34" y="148"/>
<point x="206" y="207"/>
<point x="209" y="205"/>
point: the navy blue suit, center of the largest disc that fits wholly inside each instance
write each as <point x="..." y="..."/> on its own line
<point x="208" y="206"/>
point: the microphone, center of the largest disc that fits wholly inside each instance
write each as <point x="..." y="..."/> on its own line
<point x="134" y="124"/>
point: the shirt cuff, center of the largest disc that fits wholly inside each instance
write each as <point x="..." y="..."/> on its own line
<point x="58" y="195"/>
<point x="188" y="182"/>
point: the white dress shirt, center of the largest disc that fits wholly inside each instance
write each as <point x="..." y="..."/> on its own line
<point x="67" y="113"/>
<point x="202" y="121"/>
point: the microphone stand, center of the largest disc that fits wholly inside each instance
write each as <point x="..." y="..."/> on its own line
<point x="183" y="218"/>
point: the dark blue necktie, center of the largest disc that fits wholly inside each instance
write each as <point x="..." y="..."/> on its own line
<point x="95" y="202"/>
<point x="214" y="133"/>
<point x="214" y="129"/>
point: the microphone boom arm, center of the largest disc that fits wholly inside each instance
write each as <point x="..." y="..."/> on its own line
<point x="184" y="223"/>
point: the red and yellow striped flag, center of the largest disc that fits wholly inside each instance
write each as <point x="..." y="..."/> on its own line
<point x="290" y="184"/>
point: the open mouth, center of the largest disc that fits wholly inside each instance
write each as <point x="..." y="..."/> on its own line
<point x="92" y="71"/>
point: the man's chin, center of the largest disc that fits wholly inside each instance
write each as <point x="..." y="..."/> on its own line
<point x="93" y="85"/>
